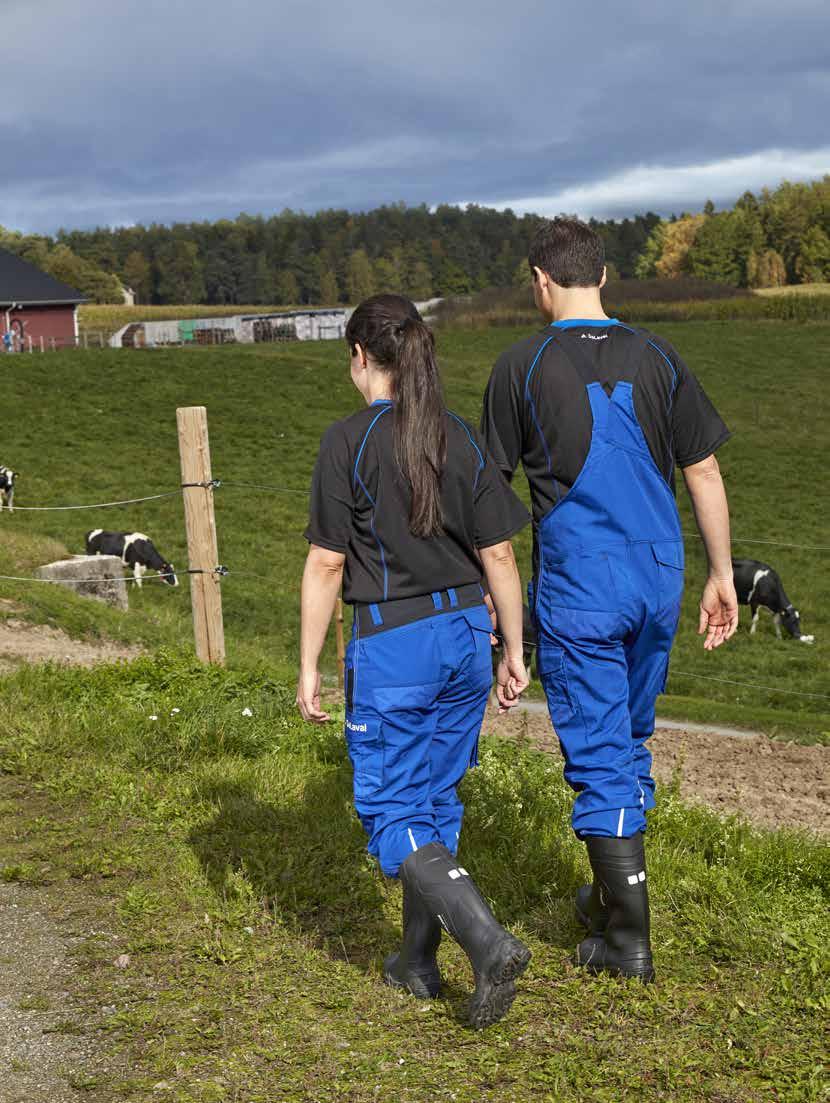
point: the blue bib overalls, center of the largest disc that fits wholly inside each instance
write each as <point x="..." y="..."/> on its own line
<point x="607" y="601"/>
<point x="415" y="701"/>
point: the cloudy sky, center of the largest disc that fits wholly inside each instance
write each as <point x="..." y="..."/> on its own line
<point x="170" y="110"/>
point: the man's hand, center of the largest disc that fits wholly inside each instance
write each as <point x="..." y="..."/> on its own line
<point x="511" y="681"/>
<point x="718" y="612"/>
<point x="308" y="697"/>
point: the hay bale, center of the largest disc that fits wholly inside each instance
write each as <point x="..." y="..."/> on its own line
<point x="106" y="571"/>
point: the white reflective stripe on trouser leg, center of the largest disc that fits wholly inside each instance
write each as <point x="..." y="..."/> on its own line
<point x="411" y="838"/>
<point x="620" y="822"/>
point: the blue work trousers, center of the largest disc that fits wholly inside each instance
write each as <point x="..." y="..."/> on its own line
<point x="606" y="625"/>
<point x="416" y="697"/>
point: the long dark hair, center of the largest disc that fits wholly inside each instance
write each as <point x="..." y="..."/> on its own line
<point x="390" y="329"/>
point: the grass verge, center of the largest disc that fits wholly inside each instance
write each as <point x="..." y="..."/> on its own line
<point x="224" y="850"/>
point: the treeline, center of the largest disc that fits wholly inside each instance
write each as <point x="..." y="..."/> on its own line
<point x="324" y="258"/>
<point x="779" y="237"/>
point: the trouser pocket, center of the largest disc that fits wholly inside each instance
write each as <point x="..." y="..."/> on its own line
<point x="364" y="739"/>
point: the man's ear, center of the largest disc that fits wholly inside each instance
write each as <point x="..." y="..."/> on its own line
<point x="539" y="277"/>
<point x="604" y="279"/>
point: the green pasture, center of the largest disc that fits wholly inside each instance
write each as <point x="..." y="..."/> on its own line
<point x="93" y="426"/>
<point x="219" y="850"/>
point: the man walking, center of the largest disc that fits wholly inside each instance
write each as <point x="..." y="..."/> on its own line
<point x="599" y="413"/>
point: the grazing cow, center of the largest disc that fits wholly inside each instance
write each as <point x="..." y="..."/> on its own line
<point x="7" y="477"/>
<point x="134" y="549"/>
<point x="757" y="585"/>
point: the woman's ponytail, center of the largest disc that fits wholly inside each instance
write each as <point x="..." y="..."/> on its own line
<point x="391" y="330"/>
<point x="420" y="427"/>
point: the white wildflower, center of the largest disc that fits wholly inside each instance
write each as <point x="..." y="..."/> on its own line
<point x="247" y="712"/>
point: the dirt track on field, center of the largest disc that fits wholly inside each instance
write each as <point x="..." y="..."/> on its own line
<point x="22" y="642"/>
<point x="772" y="783"/>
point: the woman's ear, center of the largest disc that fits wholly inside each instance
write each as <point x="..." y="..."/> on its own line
<point x="360" y="353"/>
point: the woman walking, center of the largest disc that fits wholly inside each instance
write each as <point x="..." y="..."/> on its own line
<point x="409" y="512"/>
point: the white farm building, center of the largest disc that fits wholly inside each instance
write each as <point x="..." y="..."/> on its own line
<point x="245" y="329"/>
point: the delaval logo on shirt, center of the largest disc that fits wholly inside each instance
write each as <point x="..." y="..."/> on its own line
<point x="593" y="336"/>
<point x="356" y="727"/>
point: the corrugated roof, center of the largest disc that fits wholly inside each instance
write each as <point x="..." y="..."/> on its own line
<point x="21" y="282"/>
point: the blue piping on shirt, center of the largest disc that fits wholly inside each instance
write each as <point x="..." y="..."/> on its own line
<point x="357" y="478"/>
<point x="472" y="441"/>
<point x="529" y="398"/>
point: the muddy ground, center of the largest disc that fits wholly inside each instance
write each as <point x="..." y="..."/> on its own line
<point x="772" y="783"/>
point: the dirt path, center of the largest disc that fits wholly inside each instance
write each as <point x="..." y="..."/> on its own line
<point x="46" y="1052"/>
<point x="774" y="784"/>
<point x="39" y="643"/>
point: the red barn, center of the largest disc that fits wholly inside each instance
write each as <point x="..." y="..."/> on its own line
<point x="36" y="310"/>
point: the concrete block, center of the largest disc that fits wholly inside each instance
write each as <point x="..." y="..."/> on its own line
<point x="106" y="571"/>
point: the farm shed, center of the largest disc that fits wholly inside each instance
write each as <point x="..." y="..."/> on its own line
<point x="246" y="329"/>
<point x="36" y="310"/>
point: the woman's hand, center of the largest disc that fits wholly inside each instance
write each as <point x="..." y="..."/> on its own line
<point x="308" y="697"/>
<point x="718" y="612"/>
<point x="511" y="682"/>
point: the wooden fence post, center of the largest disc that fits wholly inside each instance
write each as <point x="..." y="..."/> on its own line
<point x="341" y="650"/>
<point x="202" y="553"/>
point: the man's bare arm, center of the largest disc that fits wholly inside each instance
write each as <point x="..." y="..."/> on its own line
<point x="719" y="603"/>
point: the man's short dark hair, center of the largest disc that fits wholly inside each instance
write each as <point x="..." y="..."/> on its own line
<point x="571" y="253"/>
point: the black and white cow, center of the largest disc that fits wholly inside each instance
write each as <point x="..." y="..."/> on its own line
<point x="134" y="549"/>
<point x="7" y="477"/>
<point x="757" y="585"/>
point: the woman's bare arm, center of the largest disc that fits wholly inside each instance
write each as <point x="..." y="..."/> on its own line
<point x="322" y="579"/>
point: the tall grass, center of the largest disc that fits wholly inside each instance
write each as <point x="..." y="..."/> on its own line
<point x="642" y="301"/>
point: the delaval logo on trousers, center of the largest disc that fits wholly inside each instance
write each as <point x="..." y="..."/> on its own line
<point x="356" y="727"/>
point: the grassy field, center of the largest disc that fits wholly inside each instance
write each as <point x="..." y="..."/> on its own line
<point x="220" y="852"/>
<point x="93" y="426"/>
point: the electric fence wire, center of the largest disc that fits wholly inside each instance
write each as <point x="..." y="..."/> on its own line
<point x="223" y="571"/>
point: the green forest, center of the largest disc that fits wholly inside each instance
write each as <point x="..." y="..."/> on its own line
<point x="778" y="237"/>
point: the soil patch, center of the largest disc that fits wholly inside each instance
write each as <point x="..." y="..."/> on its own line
<point x="21" y="642"/>
<point x="772" y="783"/>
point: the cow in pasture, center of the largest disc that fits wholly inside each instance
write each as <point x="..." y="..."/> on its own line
<point x="7" y="477"/>
<point x="757" y="585"/>
<point x="134" y="549"/>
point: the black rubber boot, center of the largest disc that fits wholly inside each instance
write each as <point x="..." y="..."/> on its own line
<point x="591" y="910"/>
<point x="414" y="966"/>
<point x="623" y="949"/>
<point x="450" y="894"/>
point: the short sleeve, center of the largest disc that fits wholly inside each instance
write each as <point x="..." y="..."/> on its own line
<point x="499" y="513"/>
<point x="501" y="419"/>
<point x="697" y="428"/>
<point x="332" y="498"/>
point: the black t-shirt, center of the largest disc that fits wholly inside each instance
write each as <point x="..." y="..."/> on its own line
<point x="542" y="417"/>
<point x="360" y="505"/>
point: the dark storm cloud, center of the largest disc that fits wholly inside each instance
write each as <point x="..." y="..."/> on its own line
<point x="185" y="109"/>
